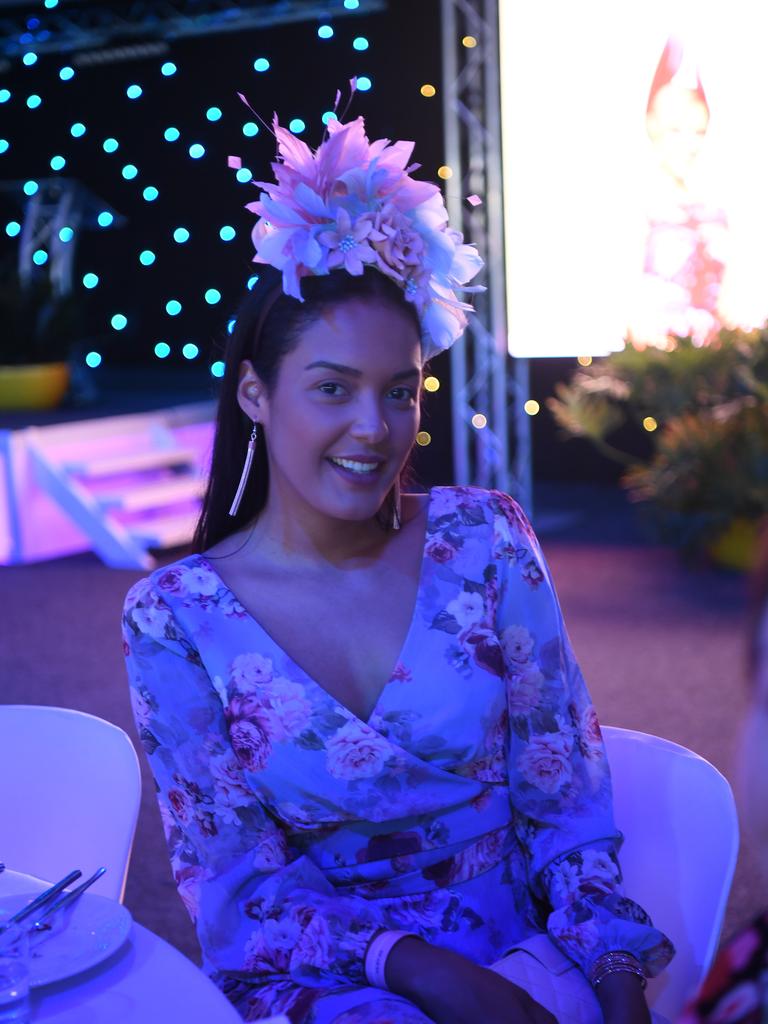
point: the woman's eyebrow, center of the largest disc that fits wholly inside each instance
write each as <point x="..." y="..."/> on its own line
<point x="352" y="372"/>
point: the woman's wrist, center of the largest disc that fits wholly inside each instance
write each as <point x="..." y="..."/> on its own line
<point x="377" y="955"/>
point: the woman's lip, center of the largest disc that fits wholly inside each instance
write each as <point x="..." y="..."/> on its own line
<point x="367" y="459"/>
<point x="372" y="476"/>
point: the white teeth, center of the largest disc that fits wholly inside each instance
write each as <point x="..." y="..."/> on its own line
<point x="357" y="467"/>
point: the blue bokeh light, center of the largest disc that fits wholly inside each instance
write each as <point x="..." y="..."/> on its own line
<point x="196" y="150"/>
<point x="168" y="69"/>
<point x="296" y="125"/>
<point x="66" y="234"/>
<point x="77" y="130"/>
<point x="50" y="4"/>
<point x="181" y="235"/>
<point x="12" y="228"/>
<point x="351" y="5"/>
<point x="364" y="83"/>
<point x="147" y="258"/>
<point x="330" y="115"/>
<point x="250" y="128"/>
<point x="217" y="368"/>
<point x="133" y="92"/>
<point x="110" y="145"/>
<point x="252" y="281"/>
<point x="261" y="64"/>
<point x="213" y="113"/>
<point x="58" y="163"/>
<point x="227" y="233"/>
<point x="29" y="59"/>
<point x="30" y="187"/>
<point x="90" y="280"/>
<point x="66" y="73"/>
<point x="162" y="349"/>
<point x="33" y="101"/>
<point x="212" y="296"/>
<point x="5" y="146"/>
<point x="173" y="307"/>
<point x="39" y="257"/>
<point x="360" y="43"/>
<point x="119" y="321"/>
<point x="105" y="218"/>
<point x="150" y="193"/>
<point x="231" y="324"/>
<point x="171" y="134"/>
<point x="5" y="95"/>
<point x="130" y="171"/>
<point x="93" y="359"/>
<point x="190" y="350"/>
<point x="244" y="175"/>
<point x="325" y="31"/>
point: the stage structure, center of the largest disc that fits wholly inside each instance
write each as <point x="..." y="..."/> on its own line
<point x="487" y="401"/>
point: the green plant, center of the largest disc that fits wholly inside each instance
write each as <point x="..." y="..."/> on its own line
<point x="36" y="325"/>
<point x="707" y="413"/>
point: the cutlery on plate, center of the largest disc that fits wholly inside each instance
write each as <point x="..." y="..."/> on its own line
<point x="43" y="898"/>
<point x="69" y="897"/>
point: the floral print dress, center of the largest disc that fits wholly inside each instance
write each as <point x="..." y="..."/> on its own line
<point x="472" y="808"/>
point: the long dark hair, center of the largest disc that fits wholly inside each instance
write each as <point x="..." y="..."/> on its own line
<point x="268" y="326"/>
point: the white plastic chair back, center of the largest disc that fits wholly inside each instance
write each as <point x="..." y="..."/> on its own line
<point x="70" y="789"/>
<point x="681" y="839"/>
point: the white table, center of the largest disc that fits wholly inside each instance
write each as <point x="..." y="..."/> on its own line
<point x="147" y="981"/>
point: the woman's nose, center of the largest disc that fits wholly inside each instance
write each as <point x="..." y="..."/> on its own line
<point x="370" y="424"/>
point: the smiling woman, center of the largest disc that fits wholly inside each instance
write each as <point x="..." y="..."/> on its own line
<point x="379" y="769"/>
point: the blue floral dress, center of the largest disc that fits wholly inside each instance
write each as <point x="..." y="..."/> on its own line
<point x="472" y="808"/>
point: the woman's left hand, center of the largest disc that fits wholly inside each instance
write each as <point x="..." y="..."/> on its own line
<point x="622" y="999"/>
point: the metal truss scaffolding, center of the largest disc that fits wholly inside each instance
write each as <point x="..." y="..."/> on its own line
<point x="483" y="390"/>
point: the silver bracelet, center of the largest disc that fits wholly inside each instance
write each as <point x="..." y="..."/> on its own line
<point x="613" y="963"/>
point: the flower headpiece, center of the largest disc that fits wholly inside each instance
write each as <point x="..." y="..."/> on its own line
<point x="351" y="204"/>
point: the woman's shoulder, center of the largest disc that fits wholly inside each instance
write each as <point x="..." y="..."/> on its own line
<point x="474" y="505"/>
<point x="167" y="581"/>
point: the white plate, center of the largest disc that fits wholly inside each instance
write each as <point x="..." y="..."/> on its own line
<point x="86" y="933"/>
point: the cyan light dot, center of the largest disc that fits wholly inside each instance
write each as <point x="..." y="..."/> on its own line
<point x="130" y="171"/>
<point x="171" y="134"/>
<point x="133" y="92"/>
<point x="147" y="258"/>
<point x="5" y="146"/>
<point x="105" y="218"/>
<point x="66" y="73"/>
<point x="66" y="234"/>
<point x="227" y="233"/>
<point x="329" y="115"/>
<point x="39" y="257"/>
<point x="325" y="31"/>
<point x="243" y="174"/>
<point x="50" y="4"/>
<point x="5" y="95"/>
<point x="33" y="101"/>
<point x="213" y="114"/>
<point x="261" y="64"/>
<point x="119" y="321"/>
<point x="296" y="125"/>
<point x="231" y="324"/>
<point x="351" y="5"/>
<point x="168" y="69"/>
<point x="29" y="59"/>
<point x="217" y="368"/>
<point x="90" y="280"/>
<point x="252" y="281"/>
<point x="162" y="349"/>
<point x="93" y="359"/>
<point x="196" y="151"/>
<point x="58" y="163"/>
<point x="30" y="187"/>
<point x="250" y="128"/>
<point x="77" y="130"/>
<point x="212" y="296"/>
<point x="150" y="193"/>
<point x="190" y="351"/>
<point x="181" y="235"/>
<point x="12" y="228"/>
<point x="364" y="83"/>
<point x="173" y="307"/>
<point x="110" y="145"/>
<point x="360" y="43"/>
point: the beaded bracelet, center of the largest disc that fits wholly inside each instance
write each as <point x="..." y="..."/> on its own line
<point x="614" y="963"/>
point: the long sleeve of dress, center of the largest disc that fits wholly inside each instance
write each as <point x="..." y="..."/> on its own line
<point x="559" y="778"/>
<point x="260" y="915"/>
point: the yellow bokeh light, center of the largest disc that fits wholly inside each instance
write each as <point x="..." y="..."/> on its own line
<point x="469" y="42"/>
<point x="584" y="360"/>
<point x="431" y="384"/>
<point x="428" y="90"/>
<point x="444" y="172"/>
<point x="479" y="421"/>
<point x="650" y="424"/>
<point x="532" y="407"/>
<point x="423" y="438"/>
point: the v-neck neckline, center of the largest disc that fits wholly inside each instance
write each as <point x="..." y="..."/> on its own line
<point x="403" y="647"/>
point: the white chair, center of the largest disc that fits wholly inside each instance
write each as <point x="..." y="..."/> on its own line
<point x="678" y="816"/>
<point x="69" y="795"/>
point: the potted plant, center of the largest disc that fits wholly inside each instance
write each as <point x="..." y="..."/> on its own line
<point x="704" y="411"/>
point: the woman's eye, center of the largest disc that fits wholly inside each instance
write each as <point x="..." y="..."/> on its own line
<point x="402" y="394"/>
<point x="330" y="388"/>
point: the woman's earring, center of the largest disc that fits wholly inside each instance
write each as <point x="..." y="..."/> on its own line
<point x="246" y="469"/>
<point x="397" y="511"/>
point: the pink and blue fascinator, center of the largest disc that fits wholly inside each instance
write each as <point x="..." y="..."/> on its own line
<point x="353" y="203"/>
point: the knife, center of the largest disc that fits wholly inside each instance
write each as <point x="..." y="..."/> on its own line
<point x="65" y="900"/>
<point x="38" y="902"/>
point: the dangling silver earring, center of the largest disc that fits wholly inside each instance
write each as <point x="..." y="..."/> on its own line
<point x="397" y="510"/>
<point x="246" y="469"/>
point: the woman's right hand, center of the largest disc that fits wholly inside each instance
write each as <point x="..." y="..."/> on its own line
<point x="453" y="990"/>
